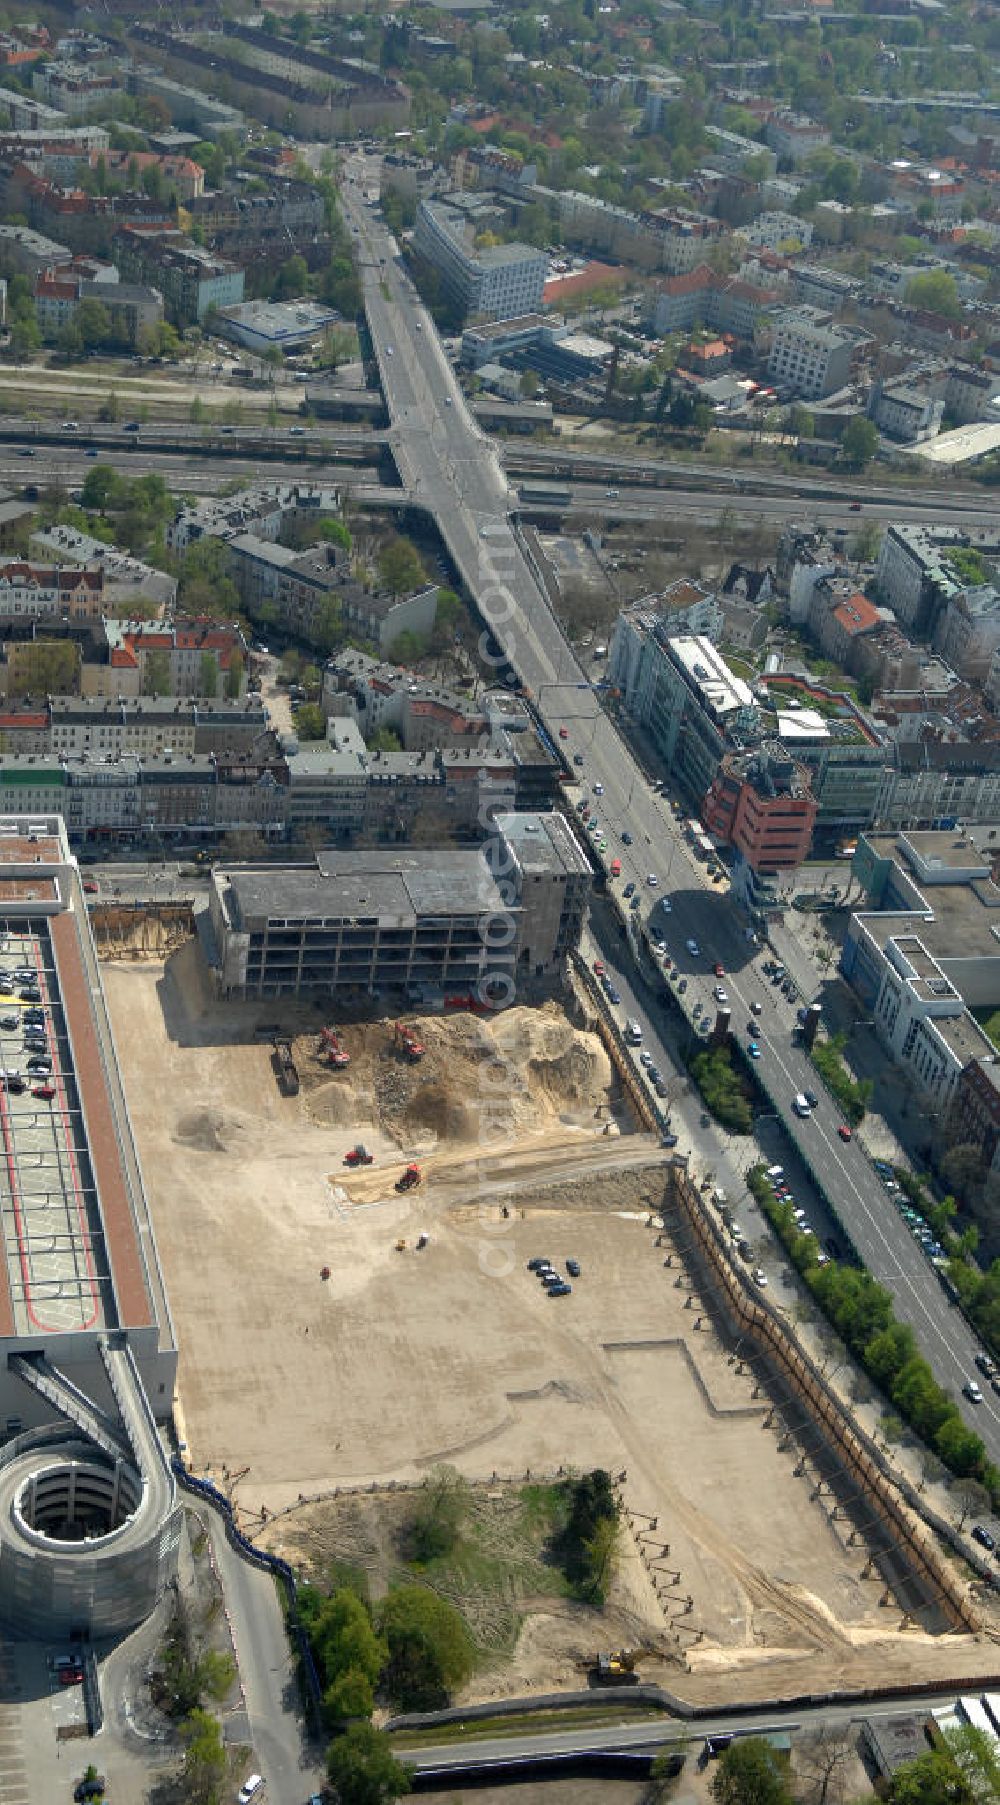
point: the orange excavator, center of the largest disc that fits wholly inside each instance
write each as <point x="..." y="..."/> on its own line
<point x="406" y="1042"/>
<point x="410" y="1178"/>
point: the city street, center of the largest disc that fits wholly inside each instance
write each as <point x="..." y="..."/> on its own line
<point x="446" y="459"/>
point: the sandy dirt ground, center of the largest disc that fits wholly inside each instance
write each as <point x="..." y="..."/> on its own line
<point x="400" y="1360"/>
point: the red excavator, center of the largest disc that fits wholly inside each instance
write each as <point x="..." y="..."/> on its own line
<point x="358" y="1156"/>
<point x="406" y="1042"/>
<point x="332" y="1049"/>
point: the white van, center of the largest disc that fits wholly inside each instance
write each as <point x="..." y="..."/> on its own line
<point x="633" y="1034"/>
<point x="801" y="1105"/>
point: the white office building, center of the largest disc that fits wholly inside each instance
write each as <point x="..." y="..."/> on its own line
<point x="499" y="282"/>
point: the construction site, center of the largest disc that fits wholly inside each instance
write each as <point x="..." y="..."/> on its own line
<point x="347" y="1260"/>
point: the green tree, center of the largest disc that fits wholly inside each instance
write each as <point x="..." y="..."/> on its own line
<point x="310" y="722"/>
<point x="430" y="1650"/>
<point x="44" y="667"/>
<point x="208" y="675"/>
<point x="102" y="489"/>
<point x="25" y="338"/>
<point x="750" y="1773"/>
<point x="234" y="676"/>
<point x="859" y="443"/>
<point x="933" y="1778"/>
<point x="363" y="1769"/>
<point x="204" y="1758"/>
<point x="603" y="1551"/>
<point x="94" y="322"/>
<point x="937" y="291"/>
<point x="399" y="567"/>
<point x="292" y="280"/>
<point x="334" y="532"/>
<point x="69" y="340"/>
<point x="867" y="541"/>
<point x="156" y="674"/>
<point x="437" y="1518"/>
<point x="350" y="1695"/>
<point x="340" y="1632"/>
<point x="384" y="740"/>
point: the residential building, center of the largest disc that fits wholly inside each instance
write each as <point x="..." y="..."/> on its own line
<point x="150" y="727"/>
<point x="191" y="658"/>
<point x="732" y="152"/>
<point x="284" y="84"/>
<point x="289" y="217"/>
<point x="191" y="279"/>
<point x="502" y="281"/>
<point x="51" y="592"/>
<point x="312" y="590"/>
<point x="180" y="174"/>
<point x="810" y="353"/>
<point x="967" y="631"/>
<point x="974" y="1117"/>
<point x="76" y="91"/>
<point x="771" y="231"/>
<point x="839" y="614"/>
<point x="126" y="579"/>
<point x="905" y="411"/>
<point x="133" y="311"/>
<point x="28" y="252"/>
<point x="264" y="510"/>
<point x="794" y="137"/>
<point x="914" y="573"/>
<point x="703" y="298"/>
<point x="194" y="107"/>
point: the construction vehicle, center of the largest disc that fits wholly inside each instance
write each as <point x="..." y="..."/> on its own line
<point x="358" y="1156"/>
<point x="617" y="1668"/>
<point x="406" y="1042"/>
<point x="332" y="1049"/>
<point x="285" y="1068"/>
<point x="411" y="1177"/>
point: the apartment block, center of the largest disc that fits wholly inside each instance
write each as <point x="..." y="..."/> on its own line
<point x="811" y="354"/>
<point x="191" y="279"/>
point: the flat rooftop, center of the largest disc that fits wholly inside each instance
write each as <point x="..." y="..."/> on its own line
<point x="708" y="673"/>
<point x="964" y="919"/>
<point x="76" y="1247"/>
<point x="389" y="886"/>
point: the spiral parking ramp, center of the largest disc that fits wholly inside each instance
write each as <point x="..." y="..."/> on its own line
<point x="89" y="1519"/>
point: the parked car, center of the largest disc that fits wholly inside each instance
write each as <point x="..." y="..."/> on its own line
<point x="983" y="1537"/>
<point x="573" y="1268"/>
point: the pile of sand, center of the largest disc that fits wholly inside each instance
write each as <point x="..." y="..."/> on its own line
<point x="519" y="1071"/>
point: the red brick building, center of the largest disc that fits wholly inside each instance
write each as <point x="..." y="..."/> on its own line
<point x="761" y="804"/>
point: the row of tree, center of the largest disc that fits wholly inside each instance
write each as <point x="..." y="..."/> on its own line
<point x="861" y="1310"/>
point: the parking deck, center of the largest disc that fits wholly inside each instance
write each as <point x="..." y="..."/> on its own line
<point x="57" y="1264"/>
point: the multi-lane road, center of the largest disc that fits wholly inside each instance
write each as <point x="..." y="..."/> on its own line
<point x="450" y="465"/>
